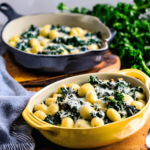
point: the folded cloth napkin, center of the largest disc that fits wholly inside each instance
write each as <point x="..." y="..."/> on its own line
<point x="15" y="133"/>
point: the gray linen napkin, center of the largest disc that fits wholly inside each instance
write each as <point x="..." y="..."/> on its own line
<point x="15" y="133"/>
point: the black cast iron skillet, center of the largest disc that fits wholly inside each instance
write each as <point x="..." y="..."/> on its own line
<point x="60" y="63"/>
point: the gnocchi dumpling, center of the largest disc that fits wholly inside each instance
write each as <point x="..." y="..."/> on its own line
<point x="76" y="51"/>
<point x="81" y="123"/>
<point x="91" y="97"/>
<point x="28" y="51"/>
<point x="50" y="101"/>
<point x="113" y="115"/>
<point x="40" y="114"/>
<point x="85" y="112"/>
<point x="44" y="42"/>
<point x="15" y="38"/>
<point x="139" y="95"/>
<point x="93" y="47"/>
<point x="76" y="32"/>
<point x="37" y="48"/>
<point x="69" y="46"/>
<point x="73" y="85"/>
<point x="65" y="52"/>
<point x="101" y="105"/>
<point x="41" y="107"/>
<point x="34" y="42"/>
<point x="12" y="43"/>
<point x="139" y="105"/>
<point x="128" y="99"/>
<point x="53" y="34"/>
<point x="67" y="122"/>
<point x="59" y="89"/>
<point x="84" y="89"/>
<point x="142" y="101"/>
<point x="45" y="30"/>
<point x="97" y="122"/>
<point x="52" y="109"/>
<point x="57" y="95"/>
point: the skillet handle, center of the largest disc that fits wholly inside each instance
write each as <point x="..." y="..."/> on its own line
<point x="9" y="11"/>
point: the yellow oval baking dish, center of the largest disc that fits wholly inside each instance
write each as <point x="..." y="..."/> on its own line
<point x="96" y="136"/>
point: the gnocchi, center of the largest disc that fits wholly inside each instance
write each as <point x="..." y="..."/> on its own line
<point x="84" y="89"/>
<point x="91" y="104"/>
<point x="97" y="122"/>
<point x="52" y="109"/>
<point x="81" y="123"/>
<point x="91" y="97"/>
<point x="40" y="114"/>
<point x="67" y="122"/>
<point x="57" y="40"/>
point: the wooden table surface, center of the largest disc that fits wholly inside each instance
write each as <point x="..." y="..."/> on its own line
<point x="134" y="142"/>
<point x="26" y="78"/>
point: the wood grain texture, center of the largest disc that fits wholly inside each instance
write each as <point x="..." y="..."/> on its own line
<point x="30" y="78"/>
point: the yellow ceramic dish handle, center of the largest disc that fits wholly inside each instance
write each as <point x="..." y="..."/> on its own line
<point x="35" y="121"/>
<point x="142" y="77"/>
<point x="137" y="74"/>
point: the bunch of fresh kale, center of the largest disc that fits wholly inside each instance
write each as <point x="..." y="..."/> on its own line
<point x="132" y="42"/>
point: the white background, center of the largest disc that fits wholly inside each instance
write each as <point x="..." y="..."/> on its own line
<point x="26" y="7"/>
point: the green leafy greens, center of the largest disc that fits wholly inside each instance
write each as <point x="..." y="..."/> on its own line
<point x="133" y="31"/>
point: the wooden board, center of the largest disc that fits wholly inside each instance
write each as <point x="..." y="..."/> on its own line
<point x="134" y="142"/>
<point x="110" y="64"/>
<point x="27" y="77"/>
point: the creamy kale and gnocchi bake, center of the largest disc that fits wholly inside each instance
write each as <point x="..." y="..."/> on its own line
<point x="56" y="40"/>
<point x="93" y="104"/>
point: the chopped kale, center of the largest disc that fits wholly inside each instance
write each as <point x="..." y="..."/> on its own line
<point x="60" y="101"/>
<point x="63" y="30"/>
<point x="93" y="41"/>
<point x="44" y="52"/>
<point x="131" y="110"/>
<point x="69" y="90"/>
<point x="83" y="49"/>
<point x="72" y="111"/>
<point x="106" y="94"/>
<point x="54" y="49"/>
<point x="53" y="119"/>
<point x="138" y="89"/>
<point x="55" y="27"/>
<point x="74" y="41"/>
<point x="106" y="98"/>
<point x="116" y="104"/>
<point x="119" y="96"/>
<point x="32" y="32"/>
<point x="68" y="49"/>
<point x="98" y="114"/>
<point x="106" y="119"/>
<point x="98" y="34"/>
<point x="22" y="45"/>
<point x="122" y="105"/>
<point x="88" y="34"/>
<point x="33" y="28"/>
<point x="93" y="80"/>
